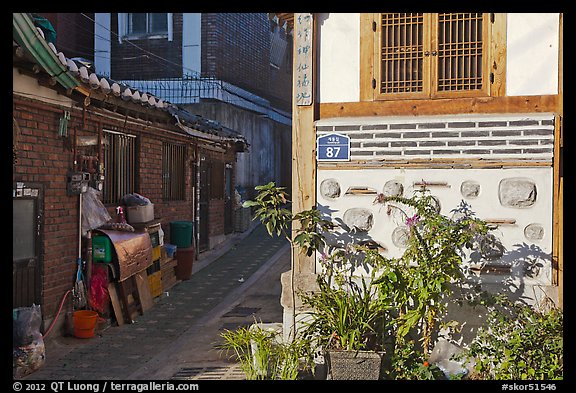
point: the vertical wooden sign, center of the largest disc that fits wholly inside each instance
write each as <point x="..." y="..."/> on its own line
<point x="303" y="60"/>
<point x="303" y="131"/>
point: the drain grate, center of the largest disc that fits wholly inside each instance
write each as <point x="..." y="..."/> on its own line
<point x="210" y="373"/>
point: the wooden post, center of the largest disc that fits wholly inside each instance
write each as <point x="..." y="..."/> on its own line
<point x="303" y="195"/>
<point x="558" y="198"/>
<point x="303" y="131"/>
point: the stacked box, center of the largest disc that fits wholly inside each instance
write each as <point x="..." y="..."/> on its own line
<point x="155" y="283"/>
<point x="168" y="266"/>
<point x="155" y="278"/>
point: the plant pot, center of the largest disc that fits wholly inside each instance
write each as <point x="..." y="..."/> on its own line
<point x="346" y="365"/>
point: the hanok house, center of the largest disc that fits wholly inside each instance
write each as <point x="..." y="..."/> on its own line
<point x="468" y="103"/>
<point x="75" y="132"/>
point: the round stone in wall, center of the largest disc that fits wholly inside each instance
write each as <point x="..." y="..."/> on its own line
<point x="358" y="219"/>
<point x="400" y="236"/>
<point x="330" y="188"/>
<point x="534" y="232"/>
<point x="393" y="188"/>
<point x="517" y="192"/>
<point x="470" y="189"/>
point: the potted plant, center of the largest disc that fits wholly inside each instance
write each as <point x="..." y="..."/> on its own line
<point x="346" y="318"/>
<point x="263" y="354"/>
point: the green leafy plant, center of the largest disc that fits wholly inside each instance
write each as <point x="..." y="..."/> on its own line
<point x="421" y="280"/>
<point x="345" y="312"/>
<point x="517" y="341"/>
<point x="409" y="363"/>
<point x="263" y="354"/>
<point x="271" y="209"/>
<point x="407" y="296"/>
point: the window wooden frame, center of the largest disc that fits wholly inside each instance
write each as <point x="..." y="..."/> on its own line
<point x="124" y="32"/>
<point x="493" y="60"/>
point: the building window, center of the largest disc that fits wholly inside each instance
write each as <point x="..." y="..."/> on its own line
<point x="173" y="169"/>
<point x="428" y="55"/>
<point x="144" y="25"/>
<point x="119" y="165"/>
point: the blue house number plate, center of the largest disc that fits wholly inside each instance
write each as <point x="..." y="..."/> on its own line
<point x="333" y="147"/>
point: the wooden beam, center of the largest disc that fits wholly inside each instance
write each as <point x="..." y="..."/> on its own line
<point x="557" y="226"/>
<point x="558" y="209"/>
<point x="367" y="50"/>
<point x="442" y="106"/>
<point x="498" y="55"/>
<point x="463" y="163"/>
<point x="304" y="142"/>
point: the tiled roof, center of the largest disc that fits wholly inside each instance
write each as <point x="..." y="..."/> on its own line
<point x="125" y="92"/>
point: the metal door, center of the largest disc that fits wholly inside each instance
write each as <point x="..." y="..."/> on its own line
<point x="26" y="263"/>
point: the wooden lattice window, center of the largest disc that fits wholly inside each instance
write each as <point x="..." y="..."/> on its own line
<point x="460" y="52"/>
<point x="421" y="55"/>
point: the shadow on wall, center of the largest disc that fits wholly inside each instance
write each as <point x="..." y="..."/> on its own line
<point x="519" y="274"/>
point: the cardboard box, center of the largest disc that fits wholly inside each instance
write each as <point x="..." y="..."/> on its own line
<point x="139" y="214"/>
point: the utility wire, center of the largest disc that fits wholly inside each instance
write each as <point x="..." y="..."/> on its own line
<point x="163" y="60"/>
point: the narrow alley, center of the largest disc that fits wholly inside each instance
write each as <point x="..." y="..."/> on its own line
<point x="175" y="339"/>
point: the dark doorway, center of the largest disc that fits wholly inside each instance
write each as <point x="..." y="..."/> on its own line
<point x="203" y="203"/>
<point x="228" y="199"/>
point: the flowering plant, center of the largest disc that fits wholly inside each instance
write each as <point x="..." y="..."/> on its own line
<point x="421" y="280"/>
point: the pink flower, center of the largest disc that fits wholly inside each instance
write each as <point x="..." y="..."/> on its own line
<point x="412" y="221"/>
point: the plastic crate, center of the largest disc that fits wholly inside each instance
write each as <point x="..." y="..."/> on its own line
<point x="155" y="283"/>
<point x="156" y="253"/>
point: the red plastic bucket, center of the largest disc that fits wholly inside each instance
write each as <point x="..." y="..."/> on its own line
<point x="84" y="323"/>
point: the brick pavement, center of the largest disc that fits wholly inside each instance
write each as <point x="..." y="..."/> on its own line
<point x="174" y="339"/>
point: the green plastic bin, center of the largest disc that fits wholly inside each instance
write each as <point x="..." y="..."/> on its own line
<point x="181" y="233"/>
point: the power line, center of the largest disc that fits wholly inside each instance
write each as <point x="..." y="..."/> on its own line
<point x="180" y="66"/>
<point x="161" y="60"/>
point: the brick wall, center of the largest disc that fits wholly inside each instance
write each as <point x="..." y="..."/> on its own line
<point x="236" y="49"/>
<point x="44" y="157"/>
<point x="133" y="62"/>
<point x="74" y="33"/>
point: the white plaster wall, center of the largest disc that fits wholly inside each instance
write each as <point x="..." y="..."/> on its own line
<point x="102" y="40"/>
<point x="339" y="57"/>
<point x="531" y="58"/>
<point x="532" y="54"/>
<point x="486" y="206"/>
<point x="29" y="87"/>
<point x="191" y="42"/>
